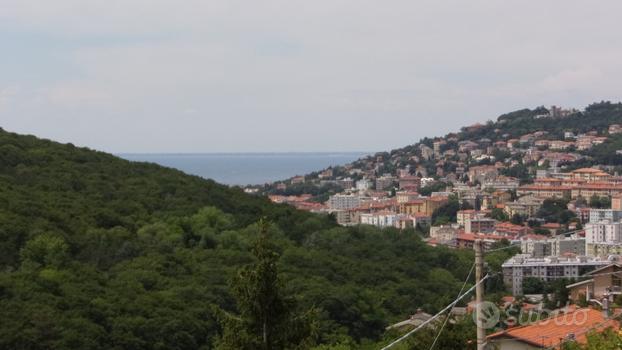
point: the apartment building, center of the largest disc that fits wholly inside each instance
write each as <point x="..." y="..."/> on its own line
<point x="380" y="219"/>
<point x="344" y="201"/>
<point x="482" y="225"/>
<point x="517" y="268"/>
<point x="610" y="215"/>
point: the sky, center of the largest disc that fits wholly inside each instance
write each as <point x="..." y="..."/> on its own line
<point x="281" y="76"/>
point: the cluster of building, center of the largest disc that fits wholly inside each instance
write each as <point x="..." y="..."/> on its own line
<point x="499" y="179"/>
<point x="570" y="256"/>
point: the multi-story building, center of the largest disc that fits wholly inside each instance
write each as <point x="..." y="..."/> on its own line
<point x="563" y="246"/>
<point x="539" y="246"/>
<point x="463" y="215"/>
<point x="409" y="182"/>
<point x="425" y="206"/>
<point x="595" y="189"/>
<point x="411" y="221"/>
<point x="603" y="232"/>
<point x="536" y="248"/>
<point x="345" y="183"/>
<point x="347" y="217"/>
<point x="344" y="201"/>
<point x="384" y="182"/>
<point x="406" y="196"/>
<point x="364" y="185"/>
<point x="590" y="174"/>
<point x="598" y="215"/>
<point x="509" y="229"/>
<point x="380" y="219"/>
<point x="443" y="233"/>
<point x="603" y="249"/>
<point x="545" y="191"/>
<point x="526" y="206"/>
<point x="481" y="225"/>
<point x="482" y="173"/>
<point x="517" y="268"/>
<point x="502" y="183"/>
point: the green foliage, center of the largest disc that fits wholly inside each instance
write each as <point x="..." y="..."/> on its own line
<point x="533" y="285"/>
<point x="448" y="212"/>
<point x="600" y="202"/>
<point x="267" y="318"/>
<point x="438" y="186"/>
<point x="44" y="251"/>
<point x="455" y="335"/>
<point x="555" y="210"/>
<point x="499" y="214"/>
<point x="605" y="153"/>
<point x="518" y="171"/>
<point x="101" y="253"/>
<point x="610" y="339"/>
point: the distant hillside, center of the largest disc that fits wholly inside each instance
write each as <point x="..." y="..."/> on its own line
<point x="101" y="253"/>
<point x="595" y="117"/>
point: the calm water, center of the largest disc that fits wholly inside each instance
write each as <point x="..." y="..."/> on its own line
<point x="247" y="168"/>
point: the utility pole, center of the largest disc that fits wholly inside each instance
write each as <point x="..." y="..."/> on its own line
<point x="479" y="294"/>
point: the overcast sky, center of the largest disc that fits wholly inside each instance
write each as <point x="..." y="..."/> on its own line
<point x="337" y="75"/>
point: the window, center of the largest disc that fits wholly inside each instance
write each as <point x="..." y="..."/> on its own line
<point x="616" y="280"/>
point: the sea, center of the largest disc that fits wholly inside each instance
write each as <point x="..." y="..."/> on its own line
<point x="247" y="168"/>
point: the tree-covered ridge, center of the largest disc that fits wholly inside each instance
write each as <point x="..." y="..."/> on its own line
<point x="98" y="252"/>
<point x="49" y="187"/>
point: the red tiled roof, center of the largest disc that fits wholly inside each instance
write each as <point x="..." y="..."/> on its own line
<point x="553" y="331"/>
<point x="473" y="237"/>
<point x="545" y="188"/>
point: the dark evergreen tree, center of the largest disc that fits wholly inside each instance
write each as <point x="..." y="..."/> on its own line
<point x="267" y="318"/>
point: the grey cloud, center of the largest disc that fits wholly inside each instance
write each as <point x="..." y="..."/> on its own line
<point x="299" y="75"/>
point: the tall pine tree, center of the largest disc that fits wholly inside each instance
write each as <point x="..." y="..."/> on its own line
<point x="267" y="319"/>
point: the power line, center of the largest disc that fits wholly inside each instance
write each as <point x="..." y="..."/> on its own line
<point x="426" y="322"/>
<point x="449" y="313"/>
<point x="503" y="248"/>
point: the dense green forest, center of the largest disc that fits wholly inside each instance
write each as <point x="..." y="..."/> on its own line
<point x="597" y="116"/>
<point x="101" y="253"/>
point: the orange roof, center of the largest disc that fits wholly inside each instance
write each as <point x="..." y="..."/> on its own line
<point x="544" y="188"/>
<point x="588" y="170"/>
<point x="473" y="237"/>
<point x="547" y="179"/>
<point x="509" y="225"/>
<point x="553" y="331"/>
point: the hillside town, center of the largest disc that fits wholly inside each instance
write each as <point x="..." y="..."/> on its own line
<point x="542" y="191"/>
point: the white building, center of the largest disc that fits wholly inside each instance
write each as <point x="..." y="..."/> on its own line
<point x="603" y="232"/>
<point x="364" y="185"/>
<point x="344" y="201"/>
<point x="540" y="248"/>
<point x="547" y="269"/>
<point x="380" y="219"/>
<point x="598" y="215"/>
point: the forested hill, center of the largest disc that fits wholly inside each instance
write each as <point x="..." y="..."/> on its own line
<point x="49" y="187"/>
<point x="101" y="253"/>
